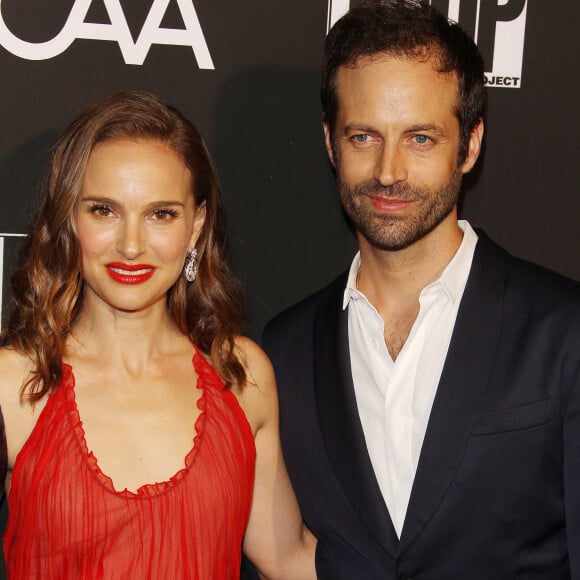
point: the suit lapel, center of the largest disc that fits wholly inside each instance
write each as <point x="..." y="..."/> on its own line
<point x="461" y="388"/>
<point x="340" y="422"/>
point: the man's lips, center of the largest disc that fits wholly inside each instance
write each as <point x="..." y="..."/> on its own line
<point x="390" y="204"/>
<point x="130" y="273"/>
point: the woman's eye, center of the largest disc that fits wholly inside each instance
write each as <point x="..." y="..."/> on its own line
<point x="101" y="210"/>
<point x="164" y="214"/>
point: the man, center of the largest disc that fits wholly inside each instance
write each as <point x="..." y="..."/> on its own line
<point x="430" y="404"/>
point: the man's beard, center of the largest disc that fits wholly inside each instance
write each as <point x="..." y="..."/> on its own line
<point x="391" y="232"/>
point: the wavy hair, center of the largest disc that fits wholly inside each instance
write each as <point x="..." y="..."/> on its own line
<point x="48" y="288"/>
<point x="410" y="28"/>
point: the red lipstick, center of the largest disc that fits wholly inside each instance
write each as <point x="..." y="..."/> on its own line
<point x="130" y="273"/>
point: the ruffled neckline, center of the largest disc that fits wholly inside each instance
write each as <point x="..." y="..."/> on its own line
<point x="206" y="378"/>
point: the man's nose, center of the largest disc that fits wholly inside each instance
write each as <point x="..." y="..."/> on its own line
<point x="391" y="166"/>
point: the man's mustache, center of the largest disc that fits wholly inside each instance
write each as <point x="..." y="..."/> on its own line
<point x="402" y="191"/>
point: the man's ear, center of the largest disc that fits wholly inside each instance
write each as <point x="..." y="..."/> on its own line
<point x="474" y="147"/>
<point x="328" y="143"/>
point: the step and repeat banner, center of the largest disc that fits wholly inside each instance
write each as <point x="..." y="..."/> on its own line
<point x="247" y="74"/>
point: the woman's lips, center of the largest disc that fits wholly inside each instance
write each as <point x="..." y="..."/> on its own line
<point x="130" y="273"/>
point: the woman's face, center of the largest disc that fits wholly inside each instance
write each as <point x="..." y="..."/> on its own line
<point x="135" y="220"/>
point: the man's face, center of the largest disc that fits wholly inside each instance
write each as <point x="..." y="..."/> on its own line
<point x="395" y="149"/>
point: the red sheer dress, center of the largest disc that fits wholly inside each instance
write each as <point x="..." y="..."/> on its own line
<point x="67" y="520"/>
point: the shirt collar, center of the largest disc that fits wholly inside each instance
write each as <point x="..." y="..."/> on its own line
<point x="351" y="291"/>
<point x="452" y="280"/>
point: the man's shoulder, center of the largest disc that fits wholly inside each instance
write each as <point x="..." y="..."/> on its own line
<point x="302" y="314"/>
<point x="528" y="280"/>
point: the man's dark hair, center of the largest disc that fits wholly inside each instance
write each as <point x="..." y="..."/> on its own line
<point x="408" y="28"/>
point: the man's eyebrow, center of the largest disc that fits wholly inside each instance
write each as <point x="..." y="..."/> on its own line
<point x="426" y="128"/>
<point x="358" y="127"/>
<point x="417" y="128"/>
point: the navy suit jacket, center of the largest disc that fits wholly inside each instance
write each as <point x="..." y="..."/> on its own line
<point x="497" y="490"/>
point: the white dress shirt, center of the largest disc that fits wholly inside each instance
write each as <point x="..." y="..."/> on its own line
<point x="394" y="398"/>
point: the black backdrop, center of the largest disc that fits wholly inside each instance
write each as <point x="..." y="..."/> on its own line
<point x="258" y="109"/>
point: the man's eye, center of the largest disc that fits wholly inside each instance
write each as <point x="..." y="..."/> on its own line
<point x="422" y="139"/>
<point x="361" y="138"/>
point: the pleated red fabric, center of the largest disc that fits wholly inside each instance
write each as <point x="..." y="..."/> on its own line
<point x="67" y="520"/>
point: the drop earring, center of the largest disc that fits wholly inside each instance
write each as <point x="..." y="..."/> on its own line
<point x="191" y="265"/>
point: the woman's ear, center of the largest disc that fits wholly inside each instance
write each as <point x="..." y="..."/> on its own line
<point x="198" y="221"/>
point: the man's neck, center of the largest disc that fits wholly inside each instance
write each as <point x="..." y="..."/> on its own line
<point x="393" y="280"/>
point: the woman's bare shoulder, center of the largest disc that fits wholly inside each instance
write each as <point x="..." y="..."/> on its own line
<point x="14" y="369"/>
<point x="19" y="415"/>
<point x="258" y="396"/>
<point x="256" y="363"/>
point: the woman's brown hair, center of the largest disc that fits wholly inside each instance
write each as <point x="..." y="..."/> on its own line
<point x="47" y="289"/>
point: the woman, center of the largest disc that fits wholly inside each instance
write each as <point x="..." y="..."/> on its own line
<point x="123" y="286"/>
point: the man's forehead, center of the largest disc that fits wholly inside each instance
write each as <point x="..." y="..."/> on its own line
<point x="417" y="57"/>
<point x="353" y="76"/>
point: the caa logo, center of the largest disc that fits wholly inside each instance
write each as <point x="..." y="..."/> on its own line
<point x="117" y="31"/>
<point x="497" y="26"/>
